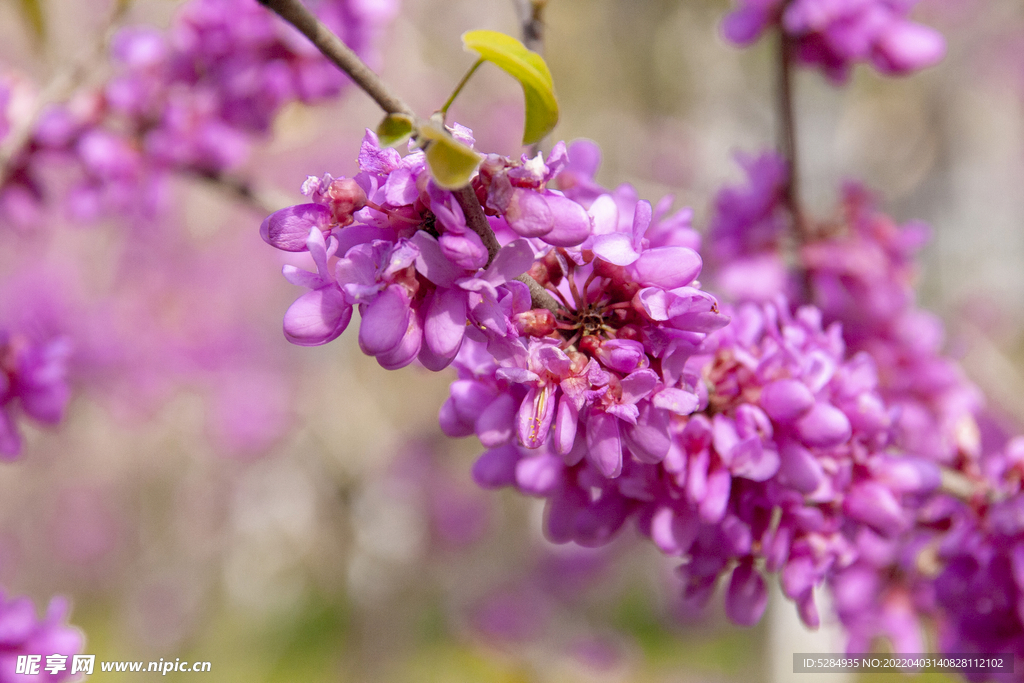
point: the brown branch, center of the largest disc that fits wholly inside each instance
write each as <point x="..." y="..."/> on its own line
<point x="295" y="13"/>
<point x="540" y="297"/>
<point x="787" y="136"/>
<point x="240" y="189"/>
<point x="531" y="17"/>
<point x="332" y="47"/>
<point x="476" y="220"/>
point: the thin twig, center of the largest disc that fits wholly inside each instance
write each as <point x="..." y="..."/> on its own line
<point x="240" y="189"/>
<point x="539" y="296"/>
<point x="476" y="220"/>
<point x="531" y="17"/>
<point x="787" y="135"/>
<point x="295" y="13"/>
<point x="348" y="61"/>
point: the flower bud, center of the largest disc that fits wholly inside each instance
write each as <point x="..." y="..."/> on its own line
<point x="346" y="197"/>
<point x="538" y="322"/>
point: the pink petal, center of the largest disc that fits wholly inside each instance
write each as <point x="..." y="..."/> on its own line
<point x="317" y="317"/>
<point x="615" y="248"/>
<point x="751" y="460"/>
<point x="907" y="47"/>
<point x="539" y="475"/>
<point x="674" y="532"/>
<point x="565" y="425"/>
<point x="799" y="468"/>
<point x="876" y="506"/>
<point x="786" y="400"/>
<point x="495" y="424"/>
<point x="288" y="228"/>
<point x="604" y="445"/>
<point x="712" y="508"/>
<point x="572" y="223"/>
<point x="528" y="214"/>
<point x="824" y="426"/>
<point x="384" y="321"/>
<point x="408" y="348"/>
<point x="432" y="264"/>
<point x="747" y="596"/>
<point x="667" y="267"/>
<point x="676" y="401"/>
<point x="445" y="325"/>
<point x="496" y="467"/>
<point x="536" y="415"/>
<point x="648" y="440"/>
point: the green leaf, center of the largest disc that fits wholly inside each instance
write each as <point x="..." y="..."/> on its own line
<point x="529" y="69"/>
<point x="452" y="163"/>
<point x="34" y="16"/>
<point x="394" y="129"/>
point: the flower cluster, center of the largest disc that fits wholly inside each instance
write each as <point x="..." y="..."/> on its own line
<point x="33" y="382"/>
<point x="399" y="247"/>
<point x="949" y="559"/>
<point x="836" y="34"/>
<point x="190" y="99"/>
<point x="956" y="566"/>
<point x="809" y="439"/>
<point x="778" y="461"/>
<point x="980" y="586"/>
<point x="862" y="276"/>
<point x="765" y="443"/>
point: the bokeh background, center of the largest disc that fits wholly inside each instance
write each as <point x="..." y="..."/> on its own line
<point x="295" y="513"/>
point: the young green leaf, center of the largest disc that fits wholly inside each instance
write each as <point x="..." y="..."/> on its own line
<point x="529" y="69"/>
<point x="452" y="163"/>
<point x="394" y="129"/>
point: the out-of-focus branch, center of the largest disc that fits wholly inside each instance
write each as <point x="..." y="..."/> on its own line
<point x="958" y="485"/>
<point x="787" y="136"/>
<point x="295" y="13"/>
<point x="242" y="190"/>
<point x="531" y="18"/>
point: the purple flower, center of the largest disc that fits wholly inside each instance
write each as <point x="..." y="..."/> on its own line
<point x="21" y="634"/>
<point x="33" y="382"/>
<point x="322" y="314"/>
<point x="835" y="34"/>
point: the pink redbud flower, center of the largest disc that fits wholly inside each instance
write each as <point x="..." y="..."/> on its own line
<point x="836" y="34"/>
<point x="33" y="382"/>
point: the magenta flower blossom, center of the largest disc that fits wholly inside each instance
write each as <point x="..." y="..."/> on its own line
<point x="22" y="634"/>
<point x="863" y="277"/>
<point x="835" y="34"/>
<point x="951" y="561"/>
<point x="191" y="99"/>
<point x="784" y="423"/>
<point x="33" y="383"/>
<point x="518" y="192"/>
<point x="397" y="246"/>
